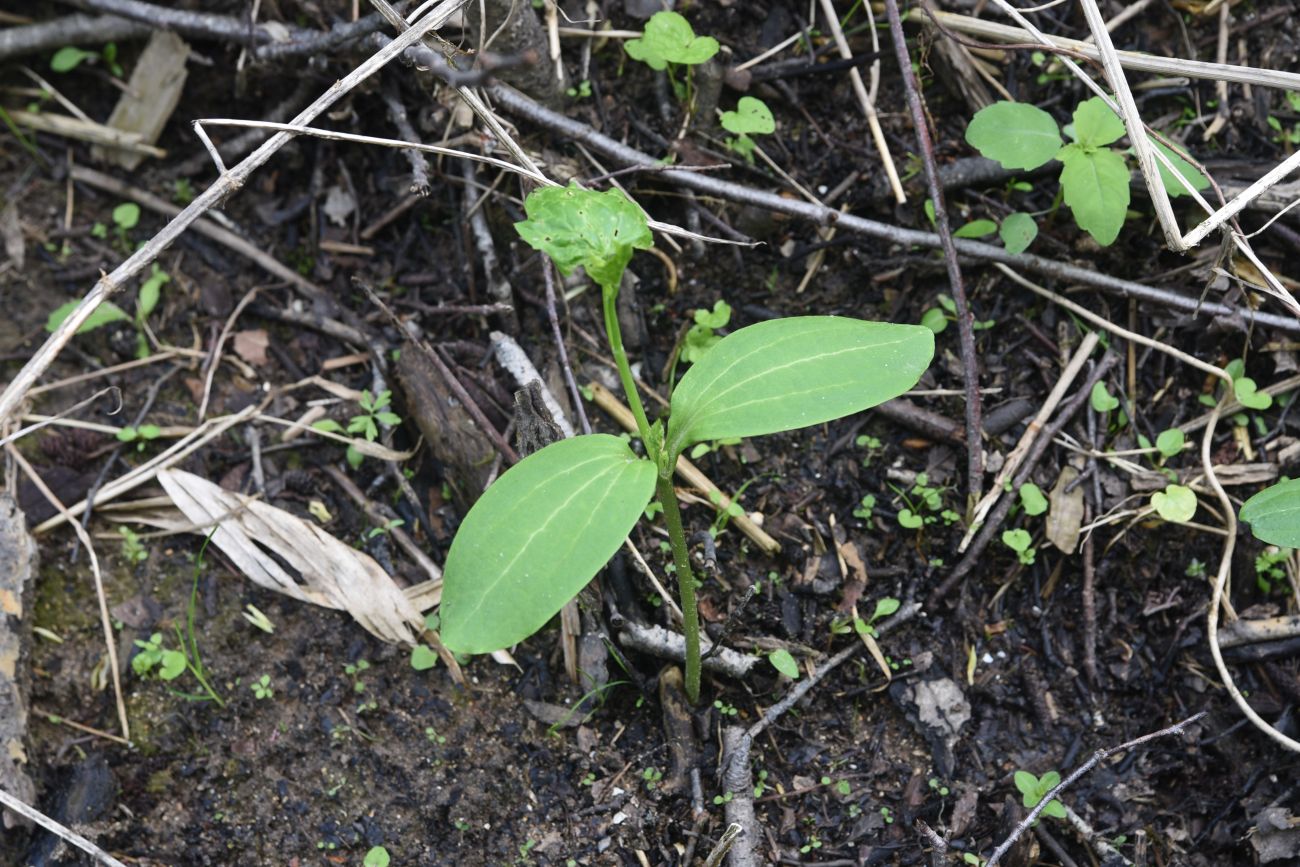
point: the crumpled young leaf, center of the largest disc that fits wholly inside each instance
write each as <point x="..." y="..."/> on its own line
<point x="575" y="226"/>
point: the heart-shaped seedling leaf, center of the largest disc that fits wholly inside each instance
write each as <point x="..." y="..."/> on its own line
<point x="1095" y="124"/>
<point x="790" y="373"/>
<point x="1244" y="390"/>
<point x="1031" y="497"/>
<point x="669" y="38"/>
<point x="752" y="116"/>
<point x="576" y="227"/>
<point x="1095" y="184"/>
<point x="1016" y="134"/>
<point x="1017" y="232"/>
<point x="1175" y="503"/>
<point x="1170" y="442"/>
<point x="1034" y="789"/>
<point x="423" y="657"/>
<point x="537" y="536"/>
<point x="909" y="519"/>
<point x="935" y="320"/>
<point x="1274" y="514"/>
<point x="1102" y="400"/>
<point x="783" y="661"/>
<point x="172" y="665"/>
<point x="1017" y="540"/>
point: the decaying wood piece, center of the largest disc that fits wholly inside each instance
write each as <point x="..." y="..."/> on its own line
<point x="512" y="29"/>
<point x="453" y="438"/>
<point x="17" y="564"/>
<point x="149" y="100"/>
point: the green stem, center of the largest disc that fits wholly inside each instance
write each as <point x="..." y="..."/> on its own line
<point x="685" y="582"/>
<point x="609" y="301"/>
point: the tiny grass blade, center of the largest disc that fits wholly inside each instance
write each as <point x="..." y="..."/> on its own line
<point x="791" y="373"/>
<point x="537" y="536"/>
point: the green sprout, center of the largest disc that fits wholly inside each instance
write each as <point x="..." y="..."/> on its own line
<point x="539" y="534"/>
<point x="751" y="117"/>
<point x="1094" y="177"/>
<point x="1034" y="789"/>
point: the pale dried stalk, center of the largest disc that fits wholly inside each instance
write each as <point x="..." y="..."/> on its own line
<point x="866" y="100"/>
<point x="105" y="623"/>
<point x="228" y="183"/>
<point x="12" y="803"/>
<point x="1017" y="454"/>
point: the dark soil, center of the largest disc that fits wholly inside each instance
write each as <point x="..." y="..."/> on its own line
<point x="341" y="756"/>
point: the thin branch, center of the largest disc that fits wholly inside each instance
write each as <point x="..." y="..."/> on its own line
<point x="1099" y="755"/>
<point x="965" y="323"/>
<point x="521" y="105"/>
<point x="66" y="833"/>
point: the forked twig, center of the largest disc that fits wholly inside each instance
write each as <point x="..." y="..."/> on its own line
<point x="1176" y="728"/>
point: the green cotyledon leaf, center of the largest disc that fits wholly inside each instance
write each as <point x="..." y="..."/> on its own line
<point x="790" y="373"/>
<point x="537" y="536"/>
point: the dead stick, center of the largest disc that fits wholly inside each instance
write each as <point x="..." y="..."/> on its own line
<point x="511" y="100"/>
<point x="974" y="554"/>
<point x="965" y="331"/>
<point x="1029" y="820"/>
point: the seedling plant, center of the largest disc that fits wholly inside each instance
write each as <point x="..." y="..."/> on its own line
<point x="1094" y="177"/>
<point x="669" y="41"/>
<point x="1034" y="789"/>
<point x="540" y="533"/>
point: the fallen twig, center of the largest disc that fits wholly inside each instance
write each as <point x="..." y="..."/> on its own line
<point x="1176" y="728"/>
<point x="965" y="330"/>
<point x="521" y="105"/>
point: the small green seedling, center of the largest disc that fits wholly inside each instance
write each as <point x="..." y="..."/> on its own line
<point x="69" y="57"/>
<point x="168" y="664"/>
<point x="374" y="412"/>
<point x="262" y="688"/>
<point x="1170" y="442"/>
<point x="1270" y="567"/>
<point x="582" y="90"/>
<point x="423" y="657"/>
<point x="670" y="41"/>
<point x="539" y="534"/>
<point x="1034" y="789"/>
<point x="784" y="662"/>
<point x="108" y="312"/>
<point x="1176" y="503"/>
<point x="1031" y="497"/>
<point x="141" y="436"/>
<point x="376" y="857"/>
<point x="937" y="318"/>
<point x="701" y="336"/>
<point x="1022" y="543"/>
<point x="652" y="777"/>
<point x="254" y="615"/>
<point x="751" y="117"/>
<point x="1094" y="177"/>
<point x="133" y="550"/>
<point x="1101" y="398"/>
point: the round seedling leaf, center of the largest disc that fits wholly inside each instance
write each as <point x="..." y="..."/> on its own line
<point x="790" y="373"/>
<point x="68" y="58"/>
<point x="1016" y="134"/>
<point x="1017" y="232"/>
<point x="1176" y="503"/>
<point x="1274" y="514"/>
<point x="537" y="536"/>
<point x="1170" y="442"/>
<point x="126" y="215"/>
<point x="1102" y="400"/>
<point x="909" y="520"/>
<point x="172" y="665"/>
<point x="1031" y="497"/>
<point x="1017" y="540"/>
<point x="783" y="662"/>
<point x="423" y="657"/>
<point x="935" y="320"/>
<point x="576" y="227"/>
